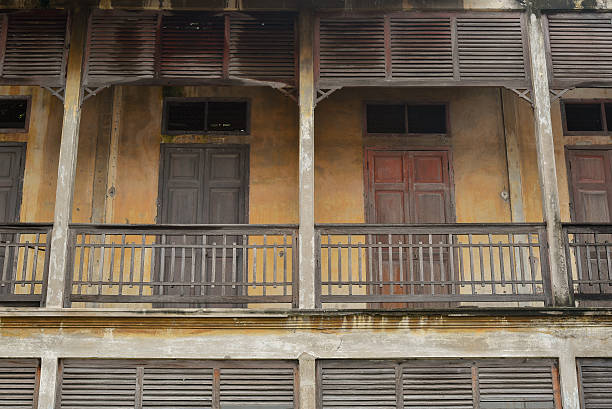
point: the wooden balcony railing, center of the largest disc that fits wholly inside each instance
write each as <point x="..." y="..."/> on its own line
<point x="589" y="261"/>
<point x="432" y="265"/>
<point x="183" y="265"/>
<point x="24" y="263"/>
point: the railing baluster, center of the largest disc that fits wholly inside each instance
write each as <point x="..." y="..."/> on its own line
<point x="5" y="273"/>
<point x="24" y="267"/>
<point x="401" y="265"/>
<point x="264" y="279"/>
<point x="203" y="288"/>
<point x="90" y="260"/>
<point x="359" y="265"/>
<point x="532" y="268"/>
<point x="411" y="264"/>
<point x="329" y="263"/>
<point x="132" y="256"/>
<point x="142" y="264"/>
<point x="233" y="265"/>
<point x="451" y="261"/>
<point x="380" y="265"/>
<point x="101" y="269"/>
<point x="370" y="274"/>
<point x="492" y="264"/>
<point x="472" y="277"/>
<point x="254" y="266"/>
<point x="81" y="262"/>
<point x="421" y="267"/>
<point x="35" y="263"/>
<point x="274" y="255"/>
<point x="245" y="260"/>
<point x="502" y="270"/>
<point x="512" y="263"/>
<point x="431" y="264"/>
<point x="481" y="261"/>
<point x="122" y="263"/>
<point x="223" y="263"/>
<point x="183" y="256"/>
<point x="285" y="251"/>
<point x="599" y="277"/>
<point x="391" y="273"/>
<point x="350" y="273"/>
<point x="213" y="265"/>
<point x="111" y="268"/>
<point x="162" y="267"/>
<point x="192" y="275"/>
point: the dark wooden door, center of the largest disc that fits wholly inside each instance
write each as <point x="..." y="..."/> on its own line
<point x="590" y="172"/>
<point x="12" y="163"/>
<point x="410" y="187"/>
<point x="202" y="185"/>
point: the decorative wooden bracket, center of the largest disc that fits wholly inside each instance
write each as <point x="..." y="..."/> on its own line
<point x="323" y="93"/>
<point x="524" y="93"/>
<point x="290" y="92"/>
<point x="90" y="92"/>
<point x="56" y="91"/>
<point x="558" y="93"/>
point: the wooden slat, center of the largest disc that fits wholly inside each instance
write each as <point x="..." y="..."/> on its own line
<point x="271" y="388"/>
<point x="490" y="48"/>
<point x="35" y="47"/>
<point x="177" y="387"/>
<point x="428" y="384"/>
<point x="192" y="45"/>
<point x="18" y="383"/>
<point x="580" y="47"/>
<point x="421" y="48"/>
<point x="595" y="383"/>
<point x="262" y="46"/>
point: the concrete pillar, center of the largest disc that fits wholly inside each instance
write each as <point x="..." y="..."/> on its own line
<point x="546" y="162"/>
<point x="67" y="163"/>
<point x="48" y="382"/>
<point x="568" y="379"/>
<point x="308" y="381"/>
<point x="306" y="162"/>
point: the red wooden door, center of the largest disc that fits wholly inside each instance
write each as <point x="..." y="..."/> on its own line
<point x="409" y="187"/>
<point x="590" y="173"/>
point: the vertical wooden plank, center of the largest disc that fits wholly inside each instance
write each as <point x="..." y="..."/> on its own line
<point x="308" y="382"/>
<point x="48" y="390"/>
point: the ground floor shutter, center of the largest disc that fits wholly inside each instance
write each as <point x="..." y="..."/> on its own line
<point x="156" y="384"/>
<point x="19" y="380"/>
<point x="459" y="383"/>
<point x="595" y="376"/>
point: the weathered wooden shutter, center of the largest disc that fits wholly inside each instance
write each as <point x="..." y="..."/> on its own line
<point x="491" y="48"/>
<point x="458" y="383"/>
<point x="92" y="383"/>
<point x="358" y="384"/>
<point x="19" y="379"/>
<point x="262" y="46"/>
<point x="271" y="388"/>
<point x="121" y="47"/>
<point x="437" y="384"/>
<point x="35" y="47"/>
<point x="352" y="48"/>
<point x="595" y="383"/>
<point x="421" y="48"/>
<point x="184" y="387"/>
<point x="192" y="45"/>
<point x="580" y="48"/>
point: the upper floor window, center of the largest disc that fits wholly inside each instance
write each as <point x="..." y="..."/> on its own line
<point x="591" y="117"/>
<point x="199" y="115"/>
<point x="14" y="113"/>
<point x="406" y="119"/>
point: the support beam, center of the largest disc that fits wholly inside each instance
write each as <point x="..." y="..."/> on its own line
<point x="546" y="163"/>
<point x="58" y="263"/>
<point x="306" y="163"/>
<point x="568" y="377"/>
<point x="48" y="382"/>
<point x="308" y="381"/>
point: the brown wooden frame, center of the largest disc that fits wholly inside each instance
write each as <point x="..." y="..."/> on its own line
<point x="167" y="100"/>
<point x="26" y="128"/>
<point x="406" y="104"/>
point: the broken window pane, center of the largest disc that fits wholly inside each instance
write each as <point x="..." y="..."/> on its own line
<point x="227" y="116"/>
<point x="185" y="116"/>
<point x="583" y="117"/>
<point x="426" y="119"/>
<point x="386" y="118"/>
<point x="13" y="113"/>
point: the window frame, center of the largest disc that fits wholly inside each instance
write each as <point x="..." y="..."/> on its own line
<point x="26" y="128"/>
<point x="602" y="111"/>
<point x="168" y="100"/>
<point x="406" y="103"/>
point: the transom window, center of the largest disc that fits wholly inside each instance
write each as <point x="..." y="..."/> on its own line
<point x="406" y="119"/>
<point x="199" y="116"/>
<point x="591" y="117"/>
<point x="14" y="113"/>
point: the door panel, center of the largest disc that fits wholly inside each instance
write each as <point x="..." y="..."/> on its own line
<point x="409" y="187"/>
<point x="12" y="163"/>
<point x="202" y="185"/>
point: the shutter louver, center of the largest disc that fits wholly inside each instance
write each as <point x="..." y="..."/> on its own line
<point x="580" y="47"/>
<point x="352" y="48"/>
<point x="358" y="385"/>
<point x="262" y="46"/>
<point x="192" y="46"/>
<point x="421" y="48"/>
<point x="527" y="385"/>
<point x="595" y="382"/>
<point x="97" y="384"/>
<point x="18" y="383"/>
<point x="121" y="47"/>
<point x="35" y="50"/>
<point x="272" y="388"/>
<point x="439" y="386"/>
<point x="177" y="388"/>
<point x="490" y="48"/>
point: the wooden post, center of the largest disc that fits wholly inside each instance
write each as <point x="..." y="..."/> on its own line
<point x="58" y="263"/>
<point x="306" y="163"/>
<point x="547" y="170"/>
<point x="47" y="392"/>
<point x="308" y="381"/>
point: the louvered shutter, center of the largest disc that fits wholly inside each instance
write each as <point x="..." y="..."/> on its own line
<point x="595" y="383"/>
<point x="262" y="46"/>
<point x="490" y="48"/>
<point x="437" y="384"/>
<point x="121" y="47"/>
<point x="352" y="48"/>
<point x="421" y="48"/>
<point x="580" y="47"/>
<point x="97" y="383"/>
<point x="177" y="387"/>
<point x="358" y="384"/>
<point x="270" y="388"/>
<point x="527" y="384"/>
<point x="35" y="47"/>
<point x="192" y="46"/>
<point x="18" y="383"/>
